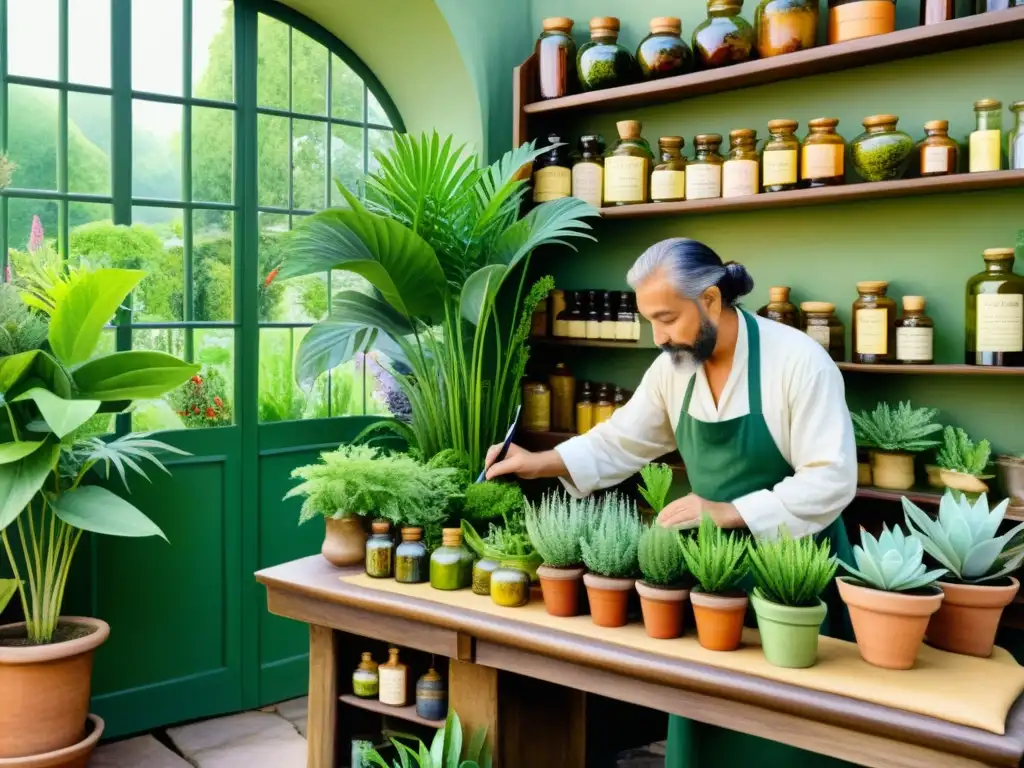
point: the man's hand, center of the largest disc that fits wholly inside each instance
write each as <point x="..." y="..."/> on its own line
<point x="686" y="513"/>
<point x="526" y="464"/>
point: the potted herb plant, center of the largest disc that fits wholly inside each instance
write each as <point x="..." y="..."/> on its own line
<point x="893" y="436"/>
<point x="977" y="583"/>
<point x="556" y="526"/>
<point x="609" y="549"/>
<point x="962" y="462"/>
<point x="354" y="482"/>
<point x="718" y="562"/>
<point x="789" y="577"/>
<point x="656" y="482"/>
<point x="507" y="546"/>
<point x="59" y="397"/>
<point x="662" y="591"/>
<point x="891" y="596"/>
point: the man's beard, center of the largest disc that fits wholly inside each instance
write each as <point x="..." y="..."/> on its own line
<point x="700" y="351"/>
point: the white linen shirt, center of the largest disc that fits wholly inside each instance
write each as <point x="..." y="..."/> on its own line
<point x="804" y="404"/>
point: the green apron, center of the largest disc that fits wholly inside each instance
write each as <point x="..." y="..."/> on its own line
<point x="724" y="461"/>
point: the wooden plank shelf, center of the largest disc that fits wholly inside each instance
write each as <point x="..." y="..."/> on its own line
<point x="981" y="29"/>
<point x="408" y="714"/>
<point x="940" y="369"/>
<point x="928" y="497"/>
<point x="554" y="341"/>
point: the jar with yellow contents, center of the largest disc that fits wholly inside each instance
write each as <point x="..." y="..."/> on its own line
<point x="780" y="158"/>
<point x="822" y="155"/>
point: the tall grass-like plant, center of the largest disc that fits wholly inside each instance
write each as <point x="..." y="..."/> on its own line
<point x="793" y="572"/>
<point x="898" y="430"/>
<point x="609" y="547"/>
<point x="556" y="526"/>
<point x="439" y="237"/>
<point x="716" y="558"/>
<point x="961" y="454"/>
<point x="661" y="557"/>
<point x="657" y="480"/>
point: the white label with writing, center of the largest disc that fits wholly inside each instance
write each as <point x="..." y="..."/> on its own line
<point x="739" y="178"/>
<point x="625" y="179"/>
<point x="392" y="686"/>
<point x="936" y="160"/>
<point x="914" y="345"/>
<point x="703" y="180"/>
<point x="820" y="333"/>
<point x="587" y="183"/>
<point x="1000" y="322"/>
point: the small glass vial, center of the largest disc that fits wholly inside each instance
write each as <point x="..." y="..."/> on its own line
<point x="536" y="408"/>
<point x="627" y="166"/>
<point x="704" y="172"/>
<point x="939" y="154"/>
<point x="411" y="562"/>
<point x="819" y="321"/>
<point x="365" y="679"/>
<point x="552" y="172"/>
<point x="482" y="570"/>
<point x="562" y="384"/>
<point x="510" y="586"/>
<point x="915" y="333"/>
<point x="779" y="308"/>
<point x="431" y="696"/>
<point x="741" y="172"/>
<point x="608" y="317"/>
<point x="380" y="550"/>
<point x="668" y="179"/>
<point x="874" y="324"/>
<point x="780" y="159"/>
<point x="393" y="680"/>
<point x="577" y="320"/>
<point x="986" y="142"/>
<point x="593" y="315"/>
<point x="588" y="171"/>
<point x="451" y="564"/>
<point x="557" y="313"/>
<point x="556" y="58"/>
<point x="584" y="409"/>
<point x="603" y="406"/>
<point x="822" y="155"/>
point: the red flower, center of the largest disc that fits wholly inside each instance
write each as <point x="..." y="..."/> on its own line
<point x="271" y="276"/>
<point x="196" y="379"/>
<point x="195" y="409"/>
<point x="210" y="413"/>
<point x="218" y="402"/>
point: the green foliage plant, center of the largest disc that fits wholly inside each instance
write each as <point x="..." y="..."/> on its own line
<point x="660" y="556"/>
<point x="49" y="453"/>
<point x="657" y="480"/>
<point x="793" y="572"/>
<point x="961" y="454"/>
<point x="963" y="538"/>
<point x="21" y="329"/>
<point x="556" y="526"/>
<point x="202" y="401"/>
<point x="716" y="558"/>
<point x="508" y="542"/>
<point x="897" y="430"/>
<point x="439" y="237"/>
<point x="609" y="545"/>
<point x="448" y="749"/>
<point x="894" y="562"/>
<point x="492" y="500"/>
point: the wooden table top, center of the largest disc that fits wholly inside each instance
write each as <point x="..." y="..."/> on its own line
<point x="314" y="578"/>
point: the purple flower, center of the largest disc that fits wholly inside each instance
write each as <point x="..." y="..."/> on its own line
<point x="35" y="240"/>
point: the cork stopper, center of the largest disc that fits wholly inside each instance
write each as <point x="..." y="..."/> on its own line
<point x="782" y="126"/>
<point x="392" y="657"/>
<point x="823" y="123"/>
<point x="629" y="129"/>
<point x="412" y="534"/>
<point x="913" y="303"/>
<point x="431" y="677"/>
<point x="672" y="142"/>
<point x="367" y="656"/>
<point x="818" y="307"/>
<point x="451" y="537"/>
<point x="880" y="121"/>
<point x="380" y="526"/>
<point x="998" y="254"/>
<point x="725" y="5"/>
<point x="1017" y="106"/>
<point x="778" y="293"/>
<point x="937" y="125"/>
<point x="607" y="25"/>
<point x="872" y="286"/>
<point x="367" y="664"/>
<point x="985" y="105"/>
<point x="557" y="24"/>
<point x="666" y="25"/>
<point x="707" y="139"/>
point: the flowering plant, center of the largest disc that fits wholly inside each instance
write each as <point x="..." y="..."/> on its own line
<point x="202" y="400"/>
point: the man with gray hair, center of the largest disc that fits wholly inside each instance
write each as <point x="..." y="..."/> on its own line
<point x="758" y="412"/>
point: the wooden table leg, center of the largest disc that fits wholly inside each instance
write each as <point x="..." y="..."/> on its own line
<point x="473" y="694"/>
<point x="322" y="728"/>
<point x="542" y="725"/>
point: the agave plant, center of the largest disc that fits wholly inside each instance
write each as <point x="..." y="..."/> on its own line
<point x="902" y="429"/>
<point x="437" y="237"/>
<point x="963" y="538"/>
<point x="893" y="562"/>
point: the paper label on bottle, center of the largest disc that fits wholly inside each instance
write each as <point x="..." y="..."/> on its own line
<point x="623" y="330"/>
<point x="560" y="329"/>
<point x="822" y="161"/>
<point x="1000" y="322"/>
<point x="588" y="183"/>
<point x="914" y="344"/>
<point x="593" y="329"/>
<point x="551" y="183"/>
<point x="608" y="329"/>
<point x="820" y="333"/>
<point x="668" y="185"/>
<point x="392" y="686"/>
<point x="739" y="178"/>
<point x="625" y="179"/>
<point x="935" y="160"/>
<point x="577" y="329"/>
<point x="636" y="328"/>
<point x="985" y="151"/>
<point x="863" y="18"/>
<point x="872" y="332"/>
<point x="703" y="180"/>
<point x="779" y="166"/>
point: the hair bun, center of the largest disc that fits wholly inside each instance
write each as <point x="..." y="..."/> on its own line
<point x="737" y="282"/>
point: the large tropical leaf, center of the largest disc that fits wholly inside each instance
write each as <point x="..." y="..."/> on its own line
<point x="8" y="588"/>
<point x="94" y="508"/>
<point x="479" y="292"/>
<point x="45" y="372"/>
<point x="22" y="480"/>
<point x="88" y="305"/>
<point x="503" y="184"/>
<point x="551" y="223"/>
<point x="62" y="416"/>
<point x="16" y="451"/>
<point x="12" y="367"/>
<point x="134" y="375"/>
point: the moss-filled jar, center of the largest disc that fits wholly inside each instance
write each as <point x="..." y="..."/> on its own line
<point x="536" y="407"/>
<point x="822" y="154"/>
<point x="704" y="172"/>
<point x="668" y="179"/>
<point x="556" y="58"/>
<point x="779" y="308"/>
<point x="785" y="26"/>
<point x="365" y="679"/>
<point x="985" y="150"/>
<point x="552" y="172"/>
<point x="411" y="563"/>
<point x="451" y="564"/>
<point x="724" y="37"/>
<point x="939" y="154"/>
<point x="588" y="171"/>
<point x="380" y="550"/>
<point x="881" y="153"/>
<point x="482" y="570"/>
<point x="780" y="158"/>
<point x="627" y="166"/>
<point x="874" y="324"/>
<point x="818" y="320"/>
<point x="601" y="61"/>
<point x="741" y="172"/>
<point x="510" y="587"/>
<point x="853" y="19"/>
<point x="663" y="53"/>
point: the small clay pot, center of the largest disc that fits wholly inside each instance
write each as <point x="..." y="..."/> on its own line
<point x="345" y="541"/>
<point x="934" y="475"/>
<point x="609" y="599"/>
<point x="560" y="588"/>
<point x="893" y="471"/>
<point x="789" y="634"/>
<point x="75" y="756"/>
<point x="969" y="617"/>
<point x="961" y="481"/>
<point x="889" y="626"/>
<point x="719" y="619"/>
<point x="663" y="610"/>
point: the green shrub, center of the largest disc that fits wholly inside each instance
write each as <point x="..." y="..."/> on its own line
<point x="792" y="571"/>
<point x="491" y="500"/>
<point x="661" y="557"/>
<point x="717" y="560"/>
<point x="902" y="429"/>
<point x="556" y="526"/>
<point x="657" y="480"/>
<point x="21" y="329"/>
<point x="961" y="454"/>
<point x="609" y="547"/>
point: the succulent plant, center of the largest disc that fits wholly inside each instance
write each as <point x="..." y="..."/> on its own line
<point x="961" y="454"/>
<point x="556" y="525"/>
<point x="963" y="538"/>
<point x="902" y="429"/>
<point x="657" y="481"/>
<point x="792" y="571"/>
<point x="717" y="560"/>
<point x="609" y="547"/>
<point x="893" y="562"/>
<point x="660" y="556"/>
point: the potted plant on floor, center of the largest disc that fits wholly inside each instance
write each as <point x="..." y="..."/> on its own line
<point x="662" y="590"/>
<point x="978" y="585"/>
<point x="962" y="462"/>
<point x="718" y="562"/>
<point x="59" y="397"/>
<point x="891" y="595"/>
<point x="894" y="436"/>
<point x="790" y="576"/>
<point x="609" y="549"/>
<point x="448" y="749"/>
<point x="556" y="526"/>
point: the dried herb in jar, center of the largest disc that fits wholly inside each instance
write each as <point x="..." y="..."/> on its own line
<point x="786" y="26"/>
<point x="379" y="550"/>
<point x="881" y="153"/>
<point x="602" y="62"/>
<point x="663" y="52"/>
<point x="724" y="37"/>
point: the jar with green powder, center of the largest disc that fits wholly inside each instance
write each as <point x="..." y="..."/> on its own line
<point x="380" y="549"/>
<point x="602" y="62"/>
<point x="451" y="564"/>
<point x="510" y="586"/>
<point x="411" y="563"/>
<point x="482" y="570"/>
<point x="366" y="678"/>
<point x="881" y="153"/>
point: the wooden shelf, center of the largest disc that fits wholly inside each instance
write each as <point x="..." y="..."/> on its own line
<point x="553" y="341"/>
<point x="994" y="27"/>
<point x="926" y="497"/>
<point x="944" y="370"/>
<point x="408" y="714"/>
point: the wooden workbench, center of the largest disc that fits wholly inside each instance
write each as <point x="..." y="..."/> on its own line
<point x="527" y="684"/>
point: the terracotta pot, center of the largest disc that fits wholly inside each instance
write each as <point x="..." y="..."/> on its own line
<point x="75" y="756"/>
<point x="609" y="599"/>
<point x="663" y="610"/>
<point x="889" y="626"/>
<point x="719" y="619"/>
<point x="561" y="589"/>
<point x="345" y="541"/>
<point x="894" y="471"/>
<point x="961" y="481"/>
<point x="863" y="473"/>
<point x="969" y="617"/>
<point x="934" y="475"/>
<point x="1011" y="477"/>
<point x="45" y="702"/>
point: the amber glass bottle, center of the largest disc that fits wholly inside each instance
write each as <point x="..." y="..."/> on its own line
<point x="584" y="409"/>
<point x="780" y="159"/>
<point x="556" y="59"/>
<point x="588" y="171"/>
<point x="668" y="179"/>
<point x="779" y="308"/>
<point x="704" y="172"/>
<point x="822" y="155"/>
<point x="627" y="166"/>
<point x="819" y="321"/>
<point x="552" y="172"/>
<point x="536" y="407"/>
<point x="874" y="324"/>
<point x="741" y="172"/>
<point x="995" y="312"/>
<point x="556" y="306"/>
<point x="562" y="384"/>
<point x="940" y="155"/>
<point x="915" y="334"/>
<point x="604" y="407"/>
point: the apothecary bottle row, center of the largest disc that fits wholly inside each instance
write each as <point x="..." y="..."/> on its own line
<point x="605" y="315"/>
<point x="562" y="404"/>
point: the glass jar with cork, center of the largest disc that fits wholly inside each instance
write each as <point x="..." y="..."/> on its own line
<point x="780" y="158"/>
<point x="985" y="151"/>
<point x="588" y="171"/>
<point x="536" y="407"/>
<point x="724" y="37"/>
<point x="365" y="678"/>
<point x="380" y="549"/>
<point x="451" y="564"/>
<point x="874" y="324"/>
<point x="741" y="172"/>
<point x="602" y="62"/>
<point x="668" y="179"/>
<point x="704" y="172"/>
<point x="915" y="334"/>
<point x="552" y="172"/>
<point x="995" y="313"/>
<point x="779" y="308"/>
<point x="819" y="321"/>
<point x="939" y="155"/>
<point x="627" y="166"/>
<point x="822" y="155"/>
<point x="663" y="53"/>
<point x="411" y="562"/>
<point x="556" y="58"/>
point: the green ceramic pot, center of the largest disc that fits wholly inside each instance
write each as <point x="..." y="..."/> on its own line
<point x="789" y="636"/>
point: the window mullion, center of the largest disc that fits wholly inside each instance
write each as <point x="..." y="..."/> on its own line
<point x="3" y="131"/>
<point x="188" y="310"/>
<point x="62" y="130"/>
<point x="121" y="153"/>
